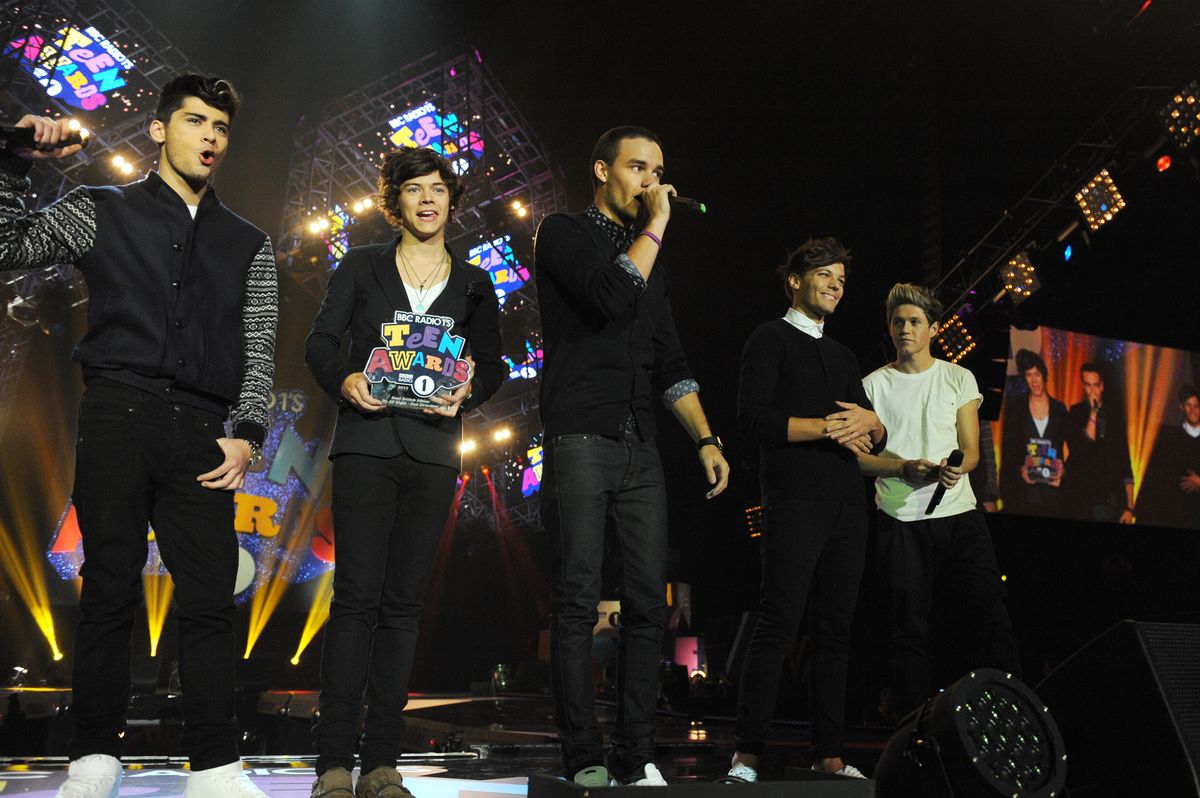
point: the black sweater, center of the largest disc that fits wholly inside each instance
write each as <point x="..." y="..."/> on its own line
<point x="787" y="373"/>
<point x="609" y="345"/>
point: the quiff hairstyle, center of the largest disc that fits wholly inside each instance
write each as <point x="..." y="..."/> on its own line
<point x="211" y="90"/>
<point x="910" y="294"/>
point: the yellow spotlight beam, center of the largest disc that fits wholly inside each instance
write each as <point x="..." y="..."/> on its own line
<point x="158" y="589"/>
<point x="266" y="599"/>
<point x="37" y="456"/>
<point x="318" y="613"/>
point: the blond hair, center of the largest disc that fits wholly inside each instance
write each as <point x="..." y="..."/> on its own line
<point x="911" y="294"/>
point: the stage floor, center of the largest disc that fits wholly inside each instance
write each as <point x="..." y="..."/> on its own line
<point x="498" y="744"/>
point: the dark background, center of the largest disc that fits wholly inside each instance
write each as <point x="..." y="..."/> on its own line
<point x="811" y="118"/>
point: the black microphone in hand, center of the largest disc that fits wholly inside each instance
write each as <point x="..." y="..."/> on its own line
<point x="21" y="138"/>
<point x="954" y="461"/>
<point x="688" y="204"/>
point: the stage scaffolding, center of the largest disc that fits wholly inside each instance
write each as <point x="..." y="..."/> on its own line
<point x="452" y="102"/>
<point x="118" y="127"/>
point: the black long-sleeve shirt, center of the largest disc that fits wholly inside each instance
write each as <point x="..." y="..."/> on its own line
<point x="609" y="338"/>
<point x="787" y="373"/>
<point x="1098" y="469"/>
<point x="179" y="306"/>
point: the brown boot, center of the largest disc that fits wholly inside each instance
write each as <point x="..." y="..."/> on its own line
<point x="333" y="783"/>
<point x="382" y="782"/>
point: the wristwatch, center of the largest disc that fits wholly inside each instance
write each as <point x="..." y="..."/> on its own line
<point x="256" y="452"/>
<point x="711" y="440"/>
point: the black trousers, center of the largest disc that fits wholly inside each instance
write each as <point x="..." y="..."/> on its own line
<point x="137" y="459"/>
<point x="592" y="482"/>
<point x="911" y="556"/>
<point x="388" y="517"/>
<point x="812" y="551"/>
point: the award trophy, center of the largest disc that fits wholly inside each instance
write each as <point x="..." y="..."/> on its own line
<point x="420" y="359"/>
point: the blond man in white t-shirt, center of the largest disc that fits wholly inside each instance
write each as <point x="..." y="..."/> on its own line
<point x="930" y="408"/>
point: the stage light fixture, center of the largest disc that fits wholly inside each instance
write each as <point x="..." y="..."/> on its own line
<point x="1163" y="163"/>
<point x="955" y="339"/>
<point x="985" y="735"/>
<point x="1181" y="117"/>
<point x="502" y="434"/>
<point x="1019" y="278"/>
<point x="467" y="446"/>
<point x="1100" y="200"/>
<point x="17" y="677"/>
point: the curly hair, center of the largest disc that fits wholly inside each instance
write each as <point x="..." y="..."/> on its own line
<point x="1027" y="360"/>
<point x="400" y="166"/>
<point x="211" y="90"/>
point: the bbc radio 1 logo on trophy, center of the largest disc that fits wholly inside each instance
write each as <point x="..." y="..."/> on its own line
<point x="420" y="359"/>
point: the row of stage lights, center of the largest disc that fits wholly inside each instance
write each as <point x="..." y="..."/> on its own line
<point x="1099" y="201"/>
<point x="501" y="436"/>
<point x="321" y="224"/>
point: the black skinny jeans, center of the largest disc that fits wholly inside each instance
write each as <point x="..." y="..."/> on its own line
<point x="388" y="517"/>
<point x="137" y="458"/>
<point x="911" y="556"/>
<point x="811" y="551"/>
<point x="590" y="483"/>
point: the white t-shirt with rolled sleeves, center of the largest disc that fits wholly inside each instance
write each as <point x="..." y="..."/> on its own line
<point x="920" y="413"/>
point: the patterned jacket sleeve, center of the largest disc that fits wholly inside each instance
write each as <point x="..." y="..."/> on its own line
<point x="60" y="233"/>
<point x="260" y="316"/>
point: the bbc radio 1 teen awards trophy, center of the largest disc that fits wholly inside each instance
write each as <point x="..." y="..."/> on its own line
<point x="420" y="358"/>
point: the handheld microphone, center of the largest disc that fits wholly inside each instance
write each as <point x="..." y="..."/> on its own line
<point x="21" y="138"/>
<point x="687" y="203"/>
<point x="954" y="460"/>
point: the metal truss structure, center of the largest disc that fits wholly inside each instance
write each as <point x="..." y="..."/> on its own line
<point x="1124" y="135"/>
<point x="118" y="128"/>
<point x="451" y="101"/>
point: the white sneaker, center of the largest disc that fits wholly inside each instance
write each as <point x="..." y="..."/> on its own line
<point x="95" y="776"/>
<point x="742" y="772"/>
<point x="849" y="771"/>
<point x="225" y="781"/>
<point x="651" y="777"/>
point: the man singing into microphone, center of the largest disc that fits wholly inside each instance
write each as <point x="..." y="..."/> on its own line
<point x="930" y="408"/>
<point x="610" y="349"/>
<point x="1099" y="482"/>
<point x="180" y="339"/>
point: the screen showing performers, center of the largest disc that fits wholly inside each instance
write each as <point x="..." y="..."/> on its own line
<point x="1099" y="430"/>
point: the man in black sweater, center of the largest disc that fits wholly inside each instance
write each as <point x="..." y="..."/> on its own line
<point x="801" y="398"/>
<point x="611" y="347"/>
<point x="1099" y="476"/>
<point x="180" y="338"/>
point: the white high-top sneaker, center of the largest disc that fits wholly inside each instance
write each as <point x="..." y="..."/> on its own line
<point x="224" y="781"/>
<point x="95" y="776"/>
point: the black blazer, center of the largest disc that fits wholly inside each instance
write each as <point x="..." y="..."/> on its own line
<point x="364" y="292"/>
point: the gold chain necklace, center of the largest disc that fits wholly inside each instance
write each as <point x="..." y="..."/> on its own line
<point x="420" y="290"/>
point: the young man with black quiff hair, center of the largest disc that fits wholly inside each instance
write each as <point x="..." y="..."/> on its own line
<point x="180" y="343"/>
